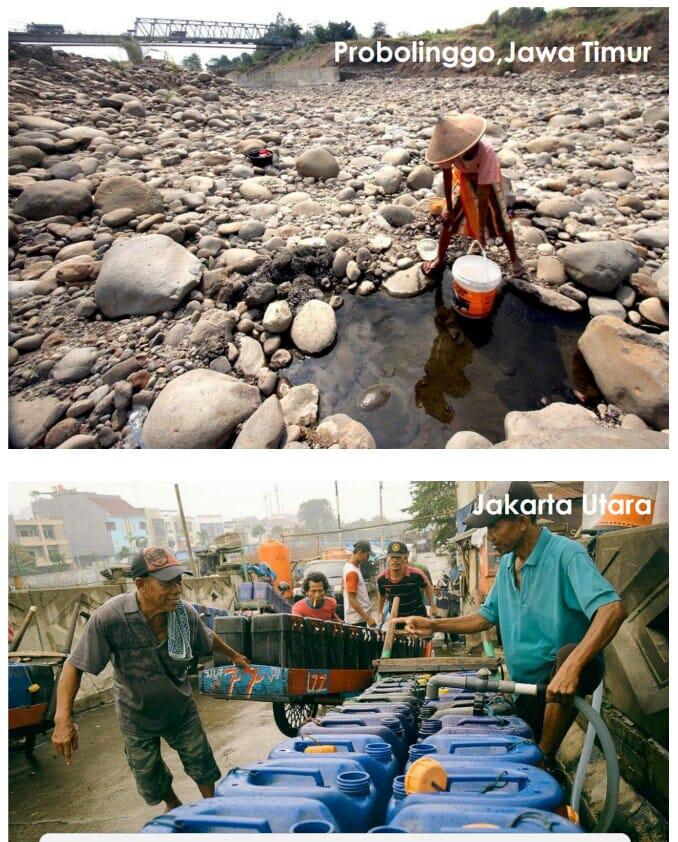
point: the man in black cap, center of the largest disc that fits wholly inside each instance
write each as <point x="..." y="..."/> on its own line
<point x="405" y="581"/>
<point x="150" y="636"/>
<point x="555" y="611"/>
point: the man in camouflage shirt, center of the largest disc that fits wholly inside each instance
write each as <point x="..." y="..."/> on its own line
<point x="136" y="632"/>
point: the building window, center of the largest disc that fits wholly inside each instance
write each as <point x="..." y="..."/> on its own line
<point x="142" y="525"/>
<point x="110" y="526"/>
<point x="48" y="533"/>
<point x="28" y="532"/>
<point x="54" y="553"/>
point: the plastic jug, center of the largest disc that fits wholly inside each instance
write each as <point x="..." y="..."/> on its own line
<point x="456" y="818"/>
<point x="251" y="813"/>
<point x="508" y="784"/>
<point x="480" y="748"/>
<point x="461" y="724"/>
<point x="374" y="755"/>
<point x="350" y="795"/>
<point x="321" y="730"/>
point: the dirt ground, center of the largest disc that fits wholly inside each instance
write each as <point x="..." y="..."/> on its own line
<point x="97" y="793"/>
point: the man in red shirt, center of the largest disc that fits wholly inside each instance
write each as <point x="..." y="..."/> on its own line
<point x="315" y="602"/>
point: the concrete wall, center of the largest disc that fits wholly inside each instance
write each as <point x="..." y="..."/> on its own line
<point x="293" y="77"/>
<point x="49" y="629"/>
<point x="84" y="522"/>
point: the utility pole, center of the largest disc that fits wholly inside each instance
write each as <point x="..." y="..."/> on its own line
<point x="381" y="512"/>
<point x="186" y="535"/>
<point x="336" y="494"/>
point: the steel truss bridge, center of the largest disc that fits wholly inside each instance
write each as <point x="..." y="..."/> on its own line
<point x="174" y="32"/>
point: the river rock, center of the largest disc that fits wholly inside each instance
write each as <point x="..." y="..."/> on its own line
<point x="300" y="405"/>
<point x="374" y="398"/>
<point x="396" y="215"/>
<point x="278" y="317"/>
<point x="654" y="311"/>
<point x="53" y="198"/>
<point x="558" y="207"/>
<point x="661" y="281"/>
<point x="600" y="306"/>
<point x="314" y="327"/>
<point x="264" y="429"/>
<point x="214" y="324"/>
<point x="555" y="416"/>
<point x="600" y="267"/>
<point x="582" y="438"/>
<point x="407" y="282"/>
<point x="420" y="178"/>
<point x="251" y="357"/>
<point x="143" y="275"/>
<point x="29" y="420"/>
<point x="654" y="237"/>
<point x="467" y="440"/>
<point x="75" y="365"/>
<point x="199" y="409"/>
<point x="317" y="163"/>
<point x="125" y="191"/>
<point x="346" y="433"/>
<point x="631" y="368"/>
<point x="388" y="178"/>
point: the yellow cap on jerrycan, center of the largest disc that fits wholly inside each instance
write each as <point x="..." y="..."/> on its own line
<point x="425" y="775"/>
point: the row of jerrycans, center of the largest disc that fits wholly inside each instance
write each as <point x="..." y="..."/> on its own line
<point x="346" y="773"/>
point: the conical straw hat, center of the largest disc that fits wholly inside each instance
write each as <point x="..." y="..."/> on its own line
<point x="454" y="135"/>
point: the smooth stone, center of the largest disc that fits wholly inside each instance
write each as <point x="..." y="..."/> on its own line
<point x="264" y="429"/>
<point x="346" y="433"/>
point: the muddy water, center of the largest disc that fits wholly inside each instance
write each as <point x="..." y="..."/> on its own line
<point x="443" y="373"/>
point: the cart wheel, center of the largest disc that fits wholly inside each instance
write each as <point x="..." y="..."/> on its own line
<point x="290" y="716"/>
<point x="29" y="745"/>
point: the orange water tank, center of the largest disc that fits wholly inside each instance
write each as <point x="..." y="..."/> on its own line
<point x="277" y="556"/>
<point x="336" y="553"/>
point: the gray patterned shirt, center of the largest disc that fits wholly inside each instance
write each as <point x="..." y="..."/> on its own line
<point x="152" y="691"/>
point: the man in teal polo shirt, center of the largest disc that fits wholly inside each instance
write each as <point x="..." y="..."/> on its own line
<point x="555" y="611"/>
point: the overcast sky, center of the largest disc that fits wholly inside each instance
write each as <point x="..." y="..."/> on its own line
<point x="231" y="500"/>
<point x="116" y="18"/>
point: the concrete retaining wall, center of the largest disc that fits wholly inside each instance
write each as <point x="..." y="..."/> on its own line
<point x="49" y="629"/>
<point x="292" y="77"/>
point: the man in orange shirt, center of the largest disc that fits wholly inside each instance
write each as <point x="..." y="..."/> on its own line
<point x="356" y="598"/>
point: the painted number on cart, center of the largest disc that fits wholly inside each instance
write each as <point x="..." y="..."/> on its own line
<point x="317" y="681"/>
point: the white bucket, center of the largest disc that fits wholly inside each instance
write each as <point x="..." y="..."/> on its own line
<point x="475" y="281"/>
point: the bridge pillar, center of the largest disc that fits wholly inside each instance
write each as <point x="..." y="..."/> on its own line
<point x="133" y="49"/>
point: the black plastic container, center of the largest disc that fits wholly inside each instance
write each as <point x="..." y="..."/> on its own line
<point x="365" y="649"/>
<point x="236" y="632"/>
<point x="334" y="644"/>
<point x="316" y="650"/>
<point x="278" y="640"/>
<point x="352" y="642"/>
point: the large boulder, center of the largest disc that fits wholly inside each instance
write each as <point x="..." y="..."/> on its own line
<point x="582" y="438"/>
<point x="630" y="366"/>
<point x="264" y="429"/>
<point x="125" y="191"/>
<point x="314" y="327"/>
<point x="54" y="198"/>
<point x="346" y="433"/>
<point x="600" y="267"/>
<point x="555" y="416"/>
<point x="318" y="163"/>
<point x="144" y="275"/>
<point x="199" y="409"/>
<point x="29" y="420"/>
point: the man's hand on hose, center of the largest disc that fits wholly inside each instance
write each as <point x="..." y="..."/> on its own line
<point x="65" y="739"/>
<point x="563" y="685"/>
<point x="421" y="626"/>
